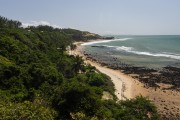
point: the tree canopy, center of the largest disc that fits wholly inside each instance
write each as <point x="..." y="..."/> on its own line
<point x="39" y="80"/>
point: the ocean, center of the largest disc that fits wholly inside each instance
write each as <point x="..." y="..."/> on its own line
<point x="151" y="51"/>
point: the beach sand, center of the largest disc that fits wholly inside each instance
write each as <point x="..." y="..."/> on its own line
<point x="126" y="86"/>
<point x="167" y="101"/>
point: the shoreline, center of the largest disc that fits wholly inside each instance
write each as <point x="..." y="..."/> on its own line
<point x="127" y="87"/>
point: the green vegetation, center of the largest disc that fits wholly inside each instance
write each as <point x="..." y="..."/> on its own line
<point x="39" y="80"/>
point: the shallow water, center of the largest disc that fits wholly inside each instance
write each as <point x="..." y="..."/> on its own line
<point x="144" y="51"/>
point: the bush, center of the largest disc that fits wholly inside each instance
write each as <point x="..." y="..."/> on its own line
<point x="75" y="97"/>
<point x="25" y="111"/>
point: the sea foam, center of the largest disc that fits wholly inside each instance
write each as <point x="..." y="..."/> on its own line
<point x="104" y="41"/>
<point x="132" y="50"/>
<point x="163" y="54"/>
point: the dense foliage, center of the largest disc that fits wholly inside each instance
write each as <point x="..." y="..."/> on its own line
<point x="39" y="80"/>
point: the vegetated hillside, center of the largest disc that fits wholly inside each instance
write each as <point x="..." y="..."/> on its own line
<point x="39" y="80"/>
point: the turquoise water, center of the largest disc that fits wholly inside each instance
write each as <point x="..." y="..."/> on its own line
<point x="148" y="51"/>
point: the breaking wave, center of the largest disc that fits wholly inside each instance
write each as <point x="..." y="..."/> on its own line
<point x="132" y="50"/>
<point x="104" y="41"/>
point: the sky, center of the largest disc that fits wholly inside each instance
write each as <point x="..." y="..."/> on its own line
<point x="124" y="17"/>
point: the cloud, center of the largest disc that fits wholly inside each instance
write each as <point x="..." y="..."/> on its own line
<point x="36" y="23"/>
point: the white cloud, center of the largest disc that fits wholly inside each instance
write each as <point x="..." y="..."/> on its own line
<point x="36" y="23"/>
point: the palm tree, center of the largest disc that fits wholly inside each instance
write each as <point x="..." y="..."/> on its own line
<point x="78" y="64"/>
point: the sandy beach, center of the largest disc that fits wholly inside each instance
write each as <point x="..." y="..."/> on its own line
<point x="114" y="78"/>
<point x="127" y="87"/>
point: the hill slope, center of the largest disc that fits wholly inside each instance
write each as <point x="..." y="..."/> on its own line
<point x="39" y="80"/>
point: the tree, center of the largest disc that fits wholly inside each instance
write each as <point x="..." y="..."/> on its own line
<point x="75" y="97"/>
<point x="139" y="108"/>
<point x="78" y="64"/>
